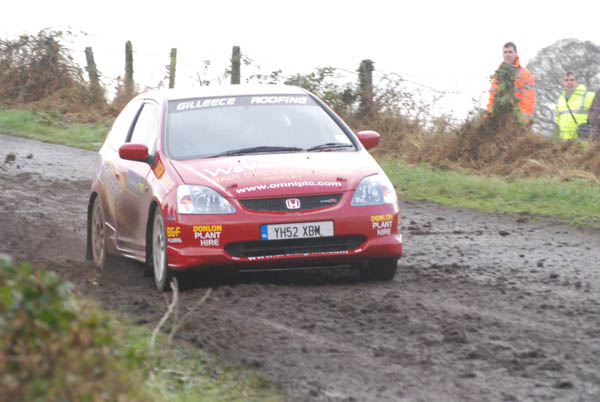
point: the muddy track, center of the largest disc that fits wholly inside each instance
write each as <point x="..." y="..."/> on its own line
<point x="485" y="307"/>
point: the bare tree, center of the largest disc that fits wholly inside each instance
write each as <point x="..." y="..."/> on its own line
<point x="549" y="67"/>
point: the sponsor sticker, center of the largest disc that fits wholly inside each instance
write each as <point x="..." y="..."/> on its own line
<point x="278" y="100"/>
<point x="173" y="231"/>
<point x="135" y="182"/>
<point x="382" y="224"/>
<point x="209" y="235"/>
<point x="296" y="183"/>
<point x="246" y="100"/>
<point x="111" y="184"/>
<point x="167" y="183"/>
<point x="204" y="103"/>
<point x="159" y="169"/>
<point x="269" y="257"/>
<point x="271" y="171"/>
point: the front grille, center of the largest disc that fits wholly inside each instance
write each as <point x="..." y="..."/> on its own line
<point x="294" y="246"/>
<point x="278" y="204"/>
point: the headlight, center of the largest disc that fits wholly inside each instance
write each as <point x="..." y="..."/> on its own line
<point x="374" y="190"/>
<point x="201" y="200"/>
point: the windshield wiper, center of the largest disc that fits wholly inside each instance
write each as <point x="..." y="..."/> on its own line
<point x="256" y="150"/>
<point x="330" y="145"/>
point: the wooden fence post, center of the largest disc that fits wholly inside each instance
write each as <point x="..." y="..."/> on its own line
<point x="366" y="108"/>
<point x="172" y="68"/>
<point x="235" y="65"/>
<point x="128" y="68"/>
<point x="95" y="89"/>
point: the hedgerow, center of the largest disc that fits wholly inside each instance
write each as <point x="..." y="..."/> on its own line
<point x="55" y="346"/>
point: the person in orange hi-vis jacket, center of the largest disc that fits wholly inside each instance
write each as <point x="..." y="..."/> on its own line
<point x="524" y="84"/>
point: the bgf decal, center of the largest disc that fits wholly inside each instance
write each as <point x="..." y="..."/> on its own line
<point x="173" y="231"/>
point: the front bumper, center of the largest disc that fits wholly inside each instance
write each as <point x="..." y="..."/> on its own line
<point x="235" y="240"/>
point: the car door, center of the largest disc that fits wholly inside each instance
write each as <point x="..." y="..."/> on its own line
<point x="136" y="194"/>
<point x="109" y="165"/>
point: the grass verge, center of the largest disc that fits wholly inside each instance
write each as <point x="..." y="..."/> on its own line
<point x="50" y="127"/>
<point x="56" y="344"/>
<point x="181" y="372"/>
<point x="577" y="200"/>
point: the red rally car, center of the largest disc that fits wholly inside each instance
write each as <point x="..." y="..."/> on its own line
<point x="240" y="177"/>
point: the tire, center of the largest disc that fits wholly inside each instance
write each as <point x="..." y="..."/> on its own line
<point x="160" y="265"/>
<point x="379" y="269"/>
<point x="100" y="256"/>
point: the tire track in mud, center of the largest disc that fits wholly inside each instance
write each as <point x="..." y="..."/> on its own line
<point x="424" y="343"/>
<point x="485" y="307"/>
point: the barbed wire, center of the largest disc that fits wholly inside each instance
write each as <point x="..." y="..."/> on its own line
<point x="213" y="77"/>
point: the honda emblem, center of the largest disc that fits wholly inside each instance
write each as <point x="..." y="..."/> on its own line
<point x="292" y="203"/>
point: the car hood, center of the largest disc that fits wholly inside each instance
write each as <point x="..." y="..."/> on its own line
<point x="273" y="175"/>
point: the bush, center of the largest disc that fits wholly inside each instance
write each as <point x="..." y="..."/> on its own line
<point x="37" y="70"/>
<point x="55" y="346"/>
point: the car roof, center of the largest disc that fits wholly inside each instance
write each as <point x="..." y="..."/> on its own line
<point x="222" y="90"/>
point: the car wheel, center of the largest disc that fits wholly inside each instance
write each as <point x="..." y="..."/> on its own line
<point x="162" y="272"/>
<point x="379" y="269"/>
<point x="100" y="256"/>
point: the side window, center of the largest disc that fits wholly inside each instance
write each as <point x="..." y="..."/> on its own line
<point x="120" y="128"/>
<point x="146" y="128"/>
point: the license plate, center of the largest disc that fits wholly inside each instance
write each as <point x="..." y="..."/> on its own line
<point x="296" y="230"/>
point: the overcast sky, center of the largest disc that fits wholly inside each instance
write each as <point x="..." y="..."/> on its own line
<point x="451" y="46"/>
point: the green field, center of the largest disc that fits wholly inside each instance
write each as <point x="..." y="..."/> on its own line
<point x="577" y="200"/>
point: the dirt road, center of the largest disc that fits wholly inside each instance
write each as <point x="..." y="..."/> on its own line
<point x="485" y="307"/>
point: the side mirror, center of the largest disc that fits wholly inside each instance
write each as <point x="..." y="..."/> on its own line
<point x="368" y="138"/>
<point x="134" y="152"/>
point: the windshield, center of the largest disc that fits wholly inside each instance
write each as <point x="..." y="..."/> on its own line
<point x="220" y="126"/>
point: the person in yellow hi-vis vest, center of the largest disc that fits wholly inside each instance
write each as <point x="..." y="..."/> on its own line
<point x="572" y="106"/>
<point x="594" y="117"/>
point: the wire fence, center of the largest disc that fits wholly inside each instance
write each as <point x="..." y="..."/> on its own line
<point x="455" y="97"/>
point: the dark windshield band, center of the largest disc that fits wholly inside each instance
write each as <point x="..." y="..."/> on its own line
<point x="182" y="105"/>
